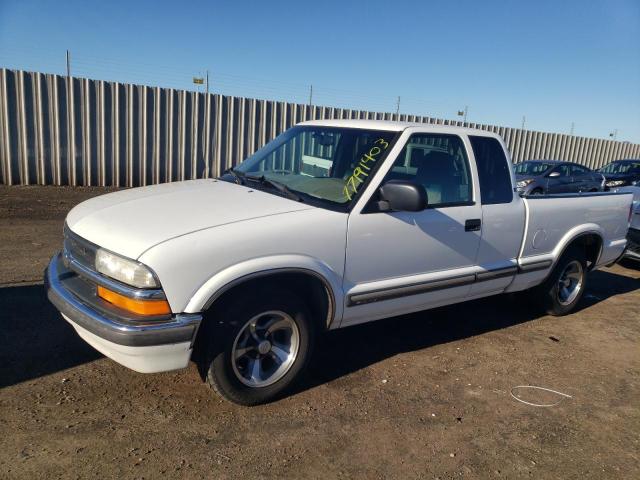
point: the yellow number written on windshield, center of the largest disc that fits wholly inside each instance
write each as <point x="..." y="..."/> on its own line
<point x="363" y="168"/>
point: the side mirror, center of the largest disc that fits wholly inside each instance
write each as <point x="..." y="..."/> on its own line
<point x="402" y="196"/>
<point x="553" y="174"/>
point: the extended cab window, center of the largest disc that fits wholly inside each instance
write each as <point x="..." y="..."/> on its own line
<point x="493" y="170"/>
<point x="439" y="163"/>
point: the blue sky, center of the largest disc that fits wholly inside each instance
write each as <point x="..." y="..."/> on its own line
<point x="554" y="62"/>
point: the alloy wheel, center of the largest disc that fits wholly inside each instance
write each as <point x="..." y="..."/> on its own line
<point x="570" y="282"/>
<point x="265" y="348"/>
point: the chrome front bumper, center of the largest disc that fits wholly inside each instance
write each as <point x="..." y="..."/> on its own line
<point x="75" y="299"/>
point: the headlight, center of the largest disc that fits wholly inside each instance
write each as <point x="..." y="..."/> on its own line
<point x="524" y="183"/>
<point x="614" y="183"/>
<point x="124" y="270"/>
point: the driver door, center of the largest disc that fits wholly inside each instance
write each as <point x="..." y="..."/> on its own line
<point x="398" y="262"/>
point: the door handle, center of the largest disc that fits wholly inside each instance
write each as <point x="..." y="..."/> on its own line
<point x="472" y="225"/>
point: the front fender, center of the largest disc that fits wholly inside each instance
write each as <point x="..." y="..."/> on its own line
<point x="262" y="266"/>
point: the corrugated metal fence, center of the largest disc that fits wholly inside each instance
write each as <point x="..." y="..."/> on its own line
<point x="56" y="130"/>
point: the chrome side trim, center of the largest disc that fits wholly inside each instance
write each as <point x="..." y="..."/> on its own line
<point x="114" y="285"/>
<point x="497" y="273"/>
<point x="265" y="273"/>
<point x="534" y="266"/>
<point x="413" y="289"/>
<point x="424" y="287"/>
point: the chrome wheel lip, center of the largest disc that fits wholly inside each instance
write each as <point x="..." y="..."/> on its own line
<point x="570" y="283"/>
<point x="282" y="355"/>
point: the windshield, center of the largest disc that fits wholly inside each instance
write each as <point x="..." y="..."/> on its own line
<point x="532" y="168"/>
<point x="621" y="167"/>
<point x="324" y="163"/>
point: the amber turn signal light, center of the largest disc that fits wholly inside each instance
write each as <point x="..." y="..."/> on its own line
<point x="140" y="307"/>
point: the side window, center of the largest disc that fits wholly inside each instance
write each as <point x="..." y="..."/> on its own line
<point x="439" y="163"/>
<point x="493" y="170"/>
<point x="578" y="170"/>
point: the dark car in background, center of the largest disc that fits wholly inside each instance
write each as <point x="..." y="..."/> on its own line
<point x="621" y="173"/>
<point x="541" y="177"/>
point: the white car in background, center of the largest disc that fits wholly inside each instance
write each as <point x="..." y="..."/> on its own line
<point x="332" y="224"/>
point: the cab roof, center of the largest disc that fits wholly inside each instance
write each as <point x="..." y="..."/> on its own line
<point x="398" y="126"/>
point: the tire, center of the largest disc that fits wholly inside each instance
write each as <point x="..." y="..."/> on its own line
<point x="258" y="348"/>
<point x="562" y="291"/>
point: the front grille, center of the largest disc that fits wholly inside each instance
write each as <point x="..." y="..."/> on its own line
<point x="81" y="250"/>
<point x="79" y="255"/>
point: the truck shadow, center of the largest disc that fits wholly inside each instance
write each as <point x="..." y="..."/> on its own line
<point x="342" y="352"/>
<point x="34" y="339"/>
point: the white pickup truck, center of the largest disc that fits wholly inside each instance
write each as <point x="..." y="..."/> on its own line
<point x="331" y="224"/>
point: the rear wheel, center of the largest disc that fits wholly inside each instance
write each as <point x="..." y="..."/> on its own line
<point x="259" y="347"/>
<point x="562" y="291"/>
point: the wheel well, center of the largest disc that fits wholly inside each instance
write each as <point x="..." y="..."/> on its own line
<point x="591" y="244"/>
<point x="310" y="287"/>
<point x="314" y="291"/>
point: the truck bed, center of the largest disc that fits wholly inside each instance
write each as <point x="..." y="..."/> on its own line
<point x="553" y="220"/>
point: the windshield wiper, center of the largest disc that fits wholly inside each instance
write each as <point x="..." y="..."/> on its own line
<point x="281" y="187"/>
<point x="242" y="178"/>
<point x="237" y="175"/>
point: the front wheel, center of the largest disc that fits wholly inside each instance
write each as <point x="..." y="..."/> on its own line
<point x="562" y="291"/>
<point x="260" y="347"/>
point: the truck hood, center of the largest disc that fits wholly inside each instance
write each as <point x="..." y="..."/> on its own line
<point x="129" y="222"/>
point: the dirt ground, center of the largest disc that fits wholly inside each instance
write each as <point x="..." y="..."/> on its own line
<point x="421" y="396"/>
